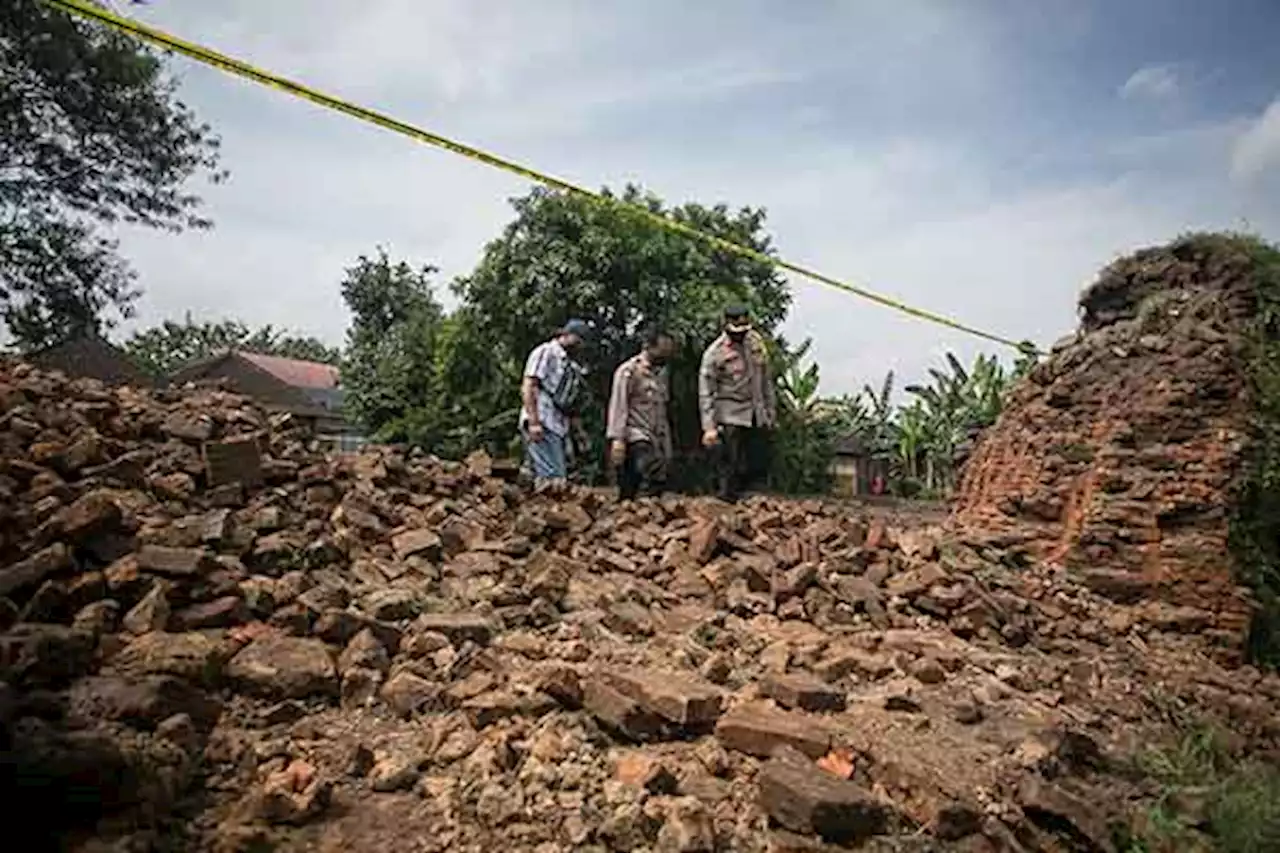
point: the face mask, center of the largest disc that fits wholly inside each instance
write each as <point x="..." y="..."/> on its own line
<point x="657" y="360"/>
<point x="737" y="337"/>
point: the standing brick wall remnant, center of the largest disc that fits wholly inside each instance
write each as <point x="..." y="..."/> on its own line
<point x="1118" y="456"/>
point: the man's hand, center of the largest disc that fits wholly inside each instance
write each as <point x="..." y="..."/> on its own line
<point x="711" y="437"/>
<point x="617" y="452"/>
<point x="536" y="432"/>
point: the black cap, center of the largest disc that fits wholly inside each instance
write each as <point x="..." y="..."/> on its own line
<point x="737" y="318"/>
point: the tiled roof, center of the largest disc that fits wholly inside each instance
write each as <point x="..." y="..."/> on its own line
<point x="93" y="356"/>
<point x="292" y="371"/>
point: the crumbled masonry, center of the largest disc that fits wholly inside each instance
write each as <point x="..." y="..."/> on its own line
<point x="215" y="638"/>
<point x="1122" y="457"/>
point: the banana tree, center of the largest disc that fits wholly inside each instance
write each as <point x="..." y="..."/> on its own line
<point x="798" y="386"/>
<point x="924" y="439"/>
<point x="988" y="385"/>
<point x="956" y="406"/>
<point x="883" y="437"/>
<point x="808" y="428"/>
<point x="912" y="439"/>
<point x="941" y="409"/>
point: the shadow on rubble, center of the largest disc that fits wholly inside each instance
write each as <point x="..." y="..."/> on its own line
<point x="79" y="777"/>
<point x="65" y="780"/>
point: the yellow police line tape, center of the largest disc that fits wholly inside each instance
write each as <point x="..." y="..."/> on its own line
<point x="85" y="9"/>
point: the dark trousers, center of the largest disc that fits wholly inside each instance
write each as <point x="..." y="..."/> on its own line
<point x="741" y="460"/>
<point x="643" y="471"/>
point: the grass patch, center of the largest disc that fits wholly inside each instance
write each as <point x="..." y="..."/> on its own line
<point x="1208" y="801"/>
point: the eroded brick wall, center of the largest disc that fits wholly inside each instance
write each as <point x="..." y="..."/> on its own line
<point x="1117" y="457"/>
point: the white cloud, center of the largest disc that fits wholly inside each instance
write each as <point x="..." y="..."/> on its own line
<point x="866" y="130"/>
<point x="1153" y="82"/>
<point x="1257" y="149"/>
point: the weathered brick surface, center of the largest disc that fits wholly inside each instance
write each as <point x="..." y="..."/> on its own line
<point x="238" y="460"/>
<point x="1121" y="449"/>
<point x="677" y="698"/>
<point x="798" y="690"/>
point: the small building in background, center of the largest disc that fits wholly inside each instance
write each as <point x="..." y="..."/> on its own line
<point x="855" y="469"/>
<point x="91" y="356"/>
<point x="308" y="390"/>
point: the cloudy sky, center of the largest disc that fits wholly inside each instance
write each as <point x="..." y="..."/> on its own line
<point x="979" y="158"/>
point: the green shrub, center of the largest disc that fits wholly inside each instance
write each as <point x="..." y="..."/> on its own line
<point x="1207" y="795"/>
<point x="1255" y="528"/>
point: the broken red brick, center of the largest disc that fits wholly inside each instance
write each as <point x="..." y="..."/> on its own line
<point x="758" y="730"/>
<point x="620" y="713"/>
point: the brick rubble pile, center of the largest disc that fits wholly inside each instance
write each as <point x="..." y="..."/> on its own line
<point x="214" y="638"/>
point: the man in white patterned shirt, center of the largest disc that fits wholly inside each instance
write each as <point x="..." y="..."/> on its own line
<point x="551" y="386"/>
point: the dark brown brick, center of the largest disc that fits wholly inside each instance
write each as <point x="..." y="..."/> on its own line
<point x="458" y="627"/>
<point x="798" y="690"/>
<point x="237" y="460"/>
<point x="177" y="562"/>
<point x="620" y="713"/>
<point x="803" y="798"/>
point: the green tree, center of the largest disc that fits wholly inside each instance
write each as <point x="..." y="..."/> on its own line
<point x="926" y="440"/>
<point x="389" y="373"/>
<point x="468" y="373"/>
<point x="91" y="134"/>
<point x="161" y="350"/>
<point x="881" y="436"/>
<point x="808" y="426"/>
<point x="565" y="256"/>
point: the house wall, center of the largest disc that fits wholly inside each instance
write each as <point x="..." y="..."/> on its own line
<point x="845" y="469"/>
<point x="853" y="474"/>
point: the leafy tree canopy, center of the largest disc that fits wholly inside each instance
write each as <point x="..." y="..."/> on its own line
<point x="390" y="373"/>
<point x="163" y="349"/>
<point x="91" y="134"/>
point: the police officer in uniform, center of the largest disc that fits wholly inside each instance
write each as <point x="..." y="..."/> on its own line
<point x="637" y="427"/>
<point x="737" y="403"/>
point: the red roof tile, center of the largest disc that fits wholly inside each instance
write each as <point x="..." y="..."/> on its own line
<point x="300" y="374"/>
